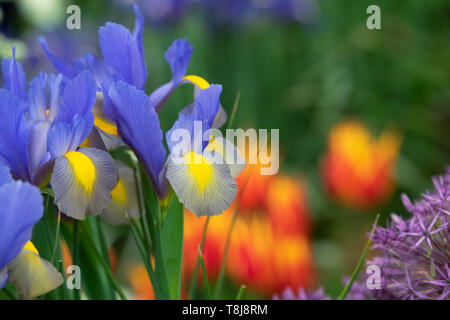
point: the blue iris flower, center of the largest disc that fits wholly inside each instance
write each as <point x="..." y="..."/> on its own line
<point x="138" y="124"/>
<point x="124" y="60"/>
<point x="40" y="136"/>
<point x="123" y="54"/>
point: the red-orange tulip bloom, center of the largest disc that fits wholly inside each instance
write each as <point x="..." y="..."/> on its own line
<point x="269" y="248"/>
<point x="358" y="168"/>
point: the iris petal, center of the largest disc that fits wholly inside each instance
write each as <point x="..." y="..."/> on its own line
<point x="138" y="125"/>
<point x="124" y="202"/>
<point x="17" y="217"/>
<point x="15" y="77"/>
<point x="229" y="153"/>
<point x="13" y="134"/>
<point x="82" y="181"/>
<point x="65" y="68"/>
<point x="123" y="52"/>
<point x="37" y="98"/>
<point x="63" y="137"/>
<point x="205" y="109"/>
<point x="32" y="275"/>
<point x="78" y="98"/>
<point x="5" y="175"/>
<point x="200" y="84"/>
<point x="205" y="188"/>
<point x="178" y="56"/>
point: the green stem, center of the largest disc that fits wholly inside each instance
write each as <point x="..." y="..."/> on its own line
<point x="55" y="244"/>
<point x="63" y="273"/>
<point x="144" y="255"/>
<point x="193" y="284"/>
<point x="241" y="292"/>
<point x="105" y="265"/>
<point x="355" y="273"/>
<point x="143" y="220"/>
<point x="205" y="276"/>
<point x="233" y="113"/>
<point x="8" y="292"/>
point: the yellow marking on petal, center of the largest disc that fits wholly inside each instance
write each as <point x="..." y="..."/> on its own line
<point x="199" y="168"/>
<point x="104" y="125"/>
<point x="85" y="143"/>
<point x="83" y="169"/>
<point x="198" y="81"/>
<point x="119" y="194"/>
<point x="215" y="146"/>
<point x="47" y="112"/>
<point x="30" y="247"/>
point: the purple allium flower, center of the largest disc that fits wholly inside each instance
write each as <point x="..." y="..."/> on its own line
<point x="414" y="252"/>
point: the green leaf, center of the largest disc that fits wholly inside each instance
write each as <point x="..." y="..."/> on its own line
<point x="47" y="191"/>
<point x="123" y="154"/>
<point x="172" y="244"/>
<point x="241" y="292"/>
<point x="94" y="281"/>
<point x="205" y="275"/>
<point x="153" y="219"/>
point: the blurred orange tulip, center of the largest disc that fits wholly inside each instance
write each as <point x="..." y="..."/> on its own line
<point x="269" y="247"/>
<point x="358" y="169"/>
<point x="140" y="282"/>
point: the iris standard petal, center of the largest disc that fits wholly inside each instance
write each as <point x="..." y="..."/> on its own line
<point x="178" y="56"/>
<point x="207" y="103"/>
<point x="39" y="108"/>
<point x="63" y="137"/>
<point x="15" y="77"/>
<point x="5" y="175"/>
<point x="61" y="66"/>
<point x="124" y="203"/>
<point x="37" y="98"/>
<point x="204" y="109"/>
<point x="82" y="181"/>
<point x="92" y="63"/>
<point x="78" y="98"/>
<point x="200" y="84"/>
<point x="86" y="62"/>
<point x="13" y="134"/>
<point x="37" y="148"/>
<point x="139" y="127"/>
<point x="204" y="187"/>
<point x="20" y="208"/>
<point x="32" y="275"/>
<point x="123" y="52"/>
<point x="185" y="121"/>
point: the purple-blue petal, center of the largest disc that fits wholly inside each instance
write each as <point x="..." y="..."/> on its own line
<point x="15" y="77"/>
<point x="178" y="56"/>
<point x="78" y="98"/>
<point x="123" y="52"/>
<point x="138" y="125"/>
<point x="207" y="103"/>
<point x="13" y="134"/>
<point x="20" y="208"/>
<point x="63" y="137"/>
<point x="61" y="66"/>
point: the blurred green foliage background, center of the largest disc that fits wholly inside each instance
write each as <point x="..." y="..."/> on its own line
<point x="300" y="78"/>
